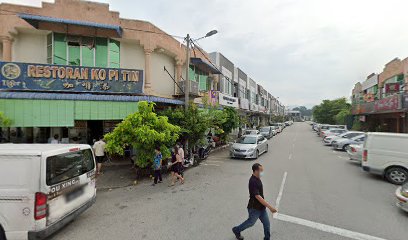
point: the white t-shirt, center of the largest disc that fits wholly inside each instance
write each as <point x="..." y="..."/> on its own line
<point x="181" y="153"/>
<point x="54" y="141"/>
<point x="99" y="148"/>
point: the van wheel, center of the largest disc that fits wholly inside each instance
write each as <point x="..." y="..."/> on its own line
<point x="267" y="148"/>
<point x="257" y="154"/>
<point x="2" y="233"/>
<point x="396" y="175"/>
<point x="345" y="147"/>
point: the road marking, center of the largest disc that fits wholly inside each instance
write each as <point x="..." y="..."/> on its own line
<point x="342" y="157"/>
<point x="326" y="228"/>
<point x="210" y="164"/>
<point x="290" y="156"/>
<point x="279" y="198"/>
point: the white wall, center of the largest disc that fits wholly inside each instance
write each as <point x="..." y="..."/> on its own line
<point x="162" y="84"/>
<point x="30" y="48"/>
<point x="132" y="56"/>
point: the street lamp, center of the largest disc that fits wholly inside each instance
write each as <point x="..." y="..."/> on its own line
<point x="187" y="81"/>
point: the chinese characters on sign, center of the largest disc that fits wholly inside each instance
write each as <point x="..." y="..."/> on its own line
<point x="43" y="77"/>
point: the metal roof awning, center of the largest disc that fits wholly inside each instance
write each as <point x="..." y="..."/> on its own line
<point x="34" y="21"/>
<point x="204" y="66"/>
<point x="86" y="97"/>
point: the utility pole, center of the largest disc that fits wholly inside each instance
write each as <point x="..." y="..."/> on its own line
<point x="187" y="80"/>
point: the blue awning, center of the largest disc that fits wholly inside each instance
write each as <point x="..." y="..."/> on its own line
<point x="34" y="20"/>
<point x="204" y="66"/>
<point x="86" y="97"/>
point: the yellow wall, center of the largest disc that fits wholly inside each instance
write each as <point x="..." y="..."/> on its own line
<point x="162" y="84"/>
<point x="30" y="47"/>
<point x="131" y="55"/>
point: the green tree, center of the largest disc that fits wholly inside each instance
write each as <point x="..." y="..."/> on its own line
<point x="143" y="130"/>
<point x="326" y="111"/>
<point x="4" y="121"/>
<point x="303" y="110"/>
<point x="341" y="117"/>
<point x="231" y="122"/>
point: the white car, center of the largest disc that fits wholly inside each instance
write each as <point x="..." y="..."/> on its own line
<point x="355" y="152"/>
<point x="251" y="132"/>
<point x="386" y="154"/>
<point x="402" y="197"/>
<point x="342" y="143"/>
<point x="43" y="187"/>
<point x="249" y="146"/>
<point x="350" y="134"/>
<point x="333" y="132"/>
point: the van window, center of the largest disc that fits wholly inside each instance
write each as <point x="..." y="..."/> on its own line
<point x="68" y="165"/>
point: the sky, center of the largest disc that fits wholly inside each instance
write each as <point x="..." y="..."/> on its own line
<point x="302" y="51"/>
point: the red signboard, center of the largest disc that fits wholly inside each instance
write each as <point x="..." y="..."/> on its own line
<point x="387" y="104"/>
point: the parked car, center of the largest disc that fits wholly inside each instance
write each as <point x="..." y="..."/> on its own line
<point x="274" y="130"/>
<point x="355" y="152"/>
<point x="342" y="143"/>
<point x="249" y="146"/>
<point x="278" y="126"/>
<point x="333" y="131"/>
<point x="402" y="197"/>
<point x="43" y="187"/>
<point x="350" y="134"/>
<point x="251" y="132"/>
<point x="267" y="132"/>
<point x="386" y="154"/>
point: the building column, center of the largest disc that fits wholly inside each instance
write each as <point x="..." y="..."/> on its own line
<point x="148" y="80"/>
<point x="7" y="46"/>
<point x="179" y="74"/>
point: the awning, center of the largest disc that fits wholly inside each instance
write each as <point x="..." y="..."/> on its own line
<point x="86" y="97"/>
<point x="34" y="21"/>
<point x="204" y="66"/>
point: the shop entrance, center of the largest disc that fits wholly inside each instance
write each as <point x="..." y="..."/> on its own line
<point x="95" y="128"/>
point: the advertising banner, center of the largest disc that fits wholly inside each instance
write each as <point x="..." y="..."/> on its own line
<point x="388" y="104"/>
<point x="64" y="78"/>
<point x="244" y="103"/>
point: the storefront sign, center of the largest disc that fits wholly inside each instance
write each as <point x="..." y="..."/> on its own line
<point x="363" y="108"/>
<point x="226" y="100"/>
<point x="244" y="103"/>
<point x="388" y="104"/>
<point x="48" y="77"/>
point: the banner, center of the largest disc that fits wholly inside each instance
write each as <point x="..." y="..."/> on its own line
<point x="226" y="100"/>
<point x="65" y="78"/>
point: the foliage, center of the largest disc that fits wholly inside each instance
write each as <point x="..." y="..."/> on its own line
<point x="231" y="122"/>
<point x="143" y="130"/>
<point x="341" y="117"/>
<point x="326" y="112"/>
<point x="4" y="121"/>
<point x="357" y="126"/>
<point x="276" y="119"/>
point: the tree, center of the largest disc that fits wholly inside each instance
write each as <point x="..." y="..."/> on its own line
<point x="231" y="122"/>
<point x="143" y="130"/>
<point x="326" y="111"/>
<point x="4" y="121"/>
<point x="342" y="116"/>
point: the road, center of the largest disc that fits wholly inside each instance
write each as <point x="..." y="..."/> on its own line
<point x="321" y="194"/>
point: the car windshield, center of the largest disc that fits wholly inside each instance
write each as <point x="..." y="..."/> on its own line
<point x="248" y="132"/>
<point x="247" y="140"/>
<point x="357" y="138"/>
<point x="264" y="129"/>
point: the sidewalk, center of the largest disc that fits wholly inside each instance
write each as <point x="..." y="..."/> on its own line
<point x="121" y="174"/>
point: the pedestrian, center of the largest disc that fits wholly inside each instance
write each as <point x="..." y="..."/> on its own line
<point x="256" y="205"/>
<point x="157" y="163"/>
<point x="176" y="167"/>
<point x="99" y="149"/>
<point x="55" y="140"/>
<point x="180" y="151"/>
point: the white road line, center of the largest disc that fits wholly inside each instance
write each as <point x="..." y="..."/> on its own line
<point x="342" y="157"/>
<point x="326" y="228"/>
<point x="279" y="198"/>
<point x="210" y="164"/>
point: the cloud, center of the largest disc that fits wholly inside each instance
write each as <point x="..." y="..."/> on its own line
<point x="303" y="51"/>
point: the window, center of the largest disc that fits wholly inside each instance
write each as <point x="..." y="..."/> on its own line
<point x="65" y="49"/>
<point x="68" y="165"/>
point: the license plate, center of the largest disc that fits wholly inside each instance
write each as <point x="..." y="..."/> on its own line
<point x="74" y="194"/>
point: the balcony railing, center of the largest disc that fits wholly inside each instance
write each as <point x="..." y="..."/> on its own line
<point x="194" y="89"/>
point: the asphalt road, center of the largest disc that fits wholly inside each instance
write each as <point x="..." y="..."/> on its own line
<point x="321" y="194"/>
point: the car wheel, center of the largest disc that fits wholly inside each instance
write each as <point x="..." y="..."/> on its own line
<point x="345" y="147"/>
<point x="257" y="154"/>
<point x="267" y="148"/>
<point x="397" y="175"/>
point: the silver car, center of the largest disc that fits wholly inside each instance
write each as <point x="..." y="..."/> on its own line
<point x="266" y="132"/>
<point x="249" y="146"/>
<point x="341" y="144"/>
<point x="355" y="152"/>
<point x="251" y="132"/>
<point x="350" y="134"/>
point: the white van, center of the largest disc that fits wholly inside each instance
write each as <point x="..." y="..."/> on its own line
<point x="386" y="154"/>
<point x="43" y="187"/>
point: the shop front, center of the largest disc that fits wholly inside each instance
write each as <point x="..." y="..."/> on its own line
<point x="79" y="104"/>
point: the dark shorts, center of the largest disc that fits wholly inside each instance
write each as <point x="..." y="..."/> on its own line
<point x="177" y="168"/>
<point x="100" y="159"/>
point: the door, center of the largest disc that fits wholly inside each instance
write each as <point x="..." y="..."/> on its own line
<point x="95" y="130"/>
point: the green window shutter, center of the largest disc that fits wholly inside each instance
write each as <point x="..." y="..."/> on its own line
<point x="74" y="55"/>
<point x="103" y="110"/>
<point x="60" y="49"/>
<point x="87" y="52"/>
<point x="101" y="52"/>
<point x="114" y="53"/>
<point x="192" y="74"/>
<point x="203" y="83"/>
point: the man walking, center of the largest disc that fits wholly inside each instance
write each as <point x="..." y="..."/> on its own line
<point x="256" y="205"/>
<point x="157" y="163"/>
<point x="99" y="149"/>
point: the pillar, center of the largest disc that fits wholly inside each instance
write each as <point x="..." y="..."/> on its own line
<point x="7" y="45"/>
<point x="179" y="74"/>
<point x="148" y="80"/>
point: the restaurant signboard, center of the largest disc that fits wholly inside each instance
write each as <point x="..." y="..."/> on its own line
<point x="65" y="78"/>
